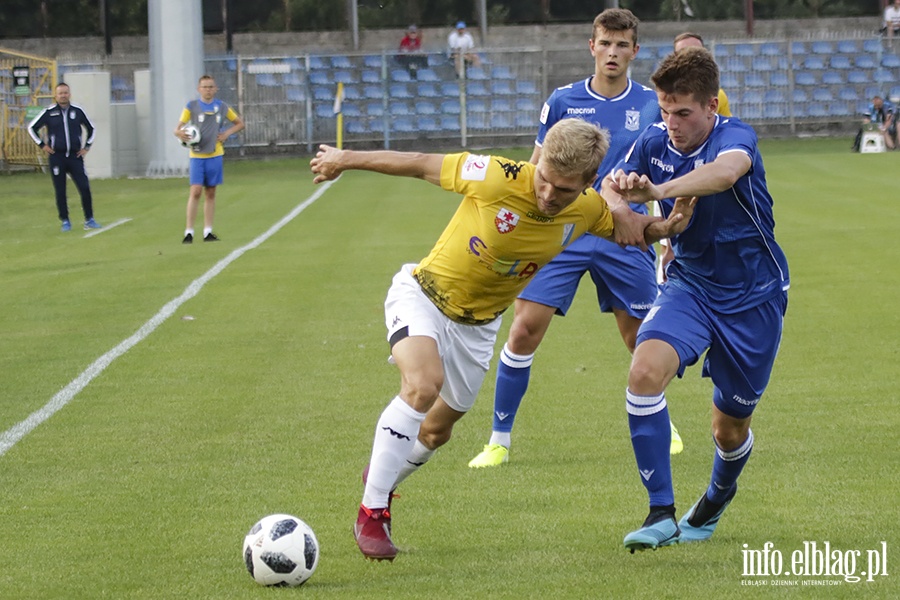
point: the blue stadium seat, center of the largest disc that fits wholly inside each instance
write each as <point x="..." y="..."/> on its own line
<point x="848" y="93"/>
<point x="884" y="76"/>
<point x="501" y="105"/>
<point x="294" y="63"/>
<point x="751" y="111"/>
<point x="357" y="127"/>
<point x="370" y="76"/>
<point x="424" y="107"/>
<point x="872" y="46"/>
<point x="839" y="109"/>
<point x="375" y="109"/>
<point x="450" y="107"/>
<point x="891" y="61"/>
<point x="773" y="96"/>
<point x="372" y="61"/>
<point x="400" y="75"/>
<point x="734" y="64"/>
<point x="319" y="78"/>
<point x="753" y="97"/>
<point x="800" y="96"/>
<point x="351" y="92"/>
<point x="317" y="62"/>
<point x="822" y="48"/>
<point x="857" y="77"/>
<point x="372" y="91"/>
<point x="427" y="75"/>
<point x="450" y="89"/>
<point x="436" y="60"/>
<point x="294" y="94"/>
<point x="839" y="61"/>
<point x="814" y="63"/>
<point x="847" y="47"/>
<point x="502" y="121"/>
<point x="864" y="61"/>
<point x="895" y="92"/>
<point x="832" y="78"/>
<point x="351" y="110"/>
<point x="429" y="124"/>
<point x="341" y="62"/>
<point x="324" y="111"/>
<point x="502" y="72"/>
<point x="872" y="91"/>
<point x="477" y="121"/>
<point x="292" y="78"/>
<point x="729" y="80"/>
<point x="798" y="48"/>
<point x="804" y="78"/>
<point x="744" y="50"/>
<point x="404" y="125"/>
<point x="427" y="90"/>
<point x="527" y="105"/>
<point x="344" y="77"/>
<point x="526" y="86"/>
<point x="502" y="87"/>
<point x="822" y="95"/>
<point x="475" y="105"/>
<point x="720" y="52"/>
<point x="231" y="64"/>
<point x="774" y="111"/>
<point x="817" y="110"/>
<point x="476" y="74"/>
<point x="862" y="107"/>
<point x="399" y="90"/>
<point x="477" y="88"/>
<point x="779" y="79"/>
<point x="524" y="122"/>
<point x="400" y="108"/>
<point x="771" y="49"/>
<point x="664" y="50"/>
<point x="755" y="80"/>
<point x="322" y="93"/>
<point x="267" y="80"/>
<point x="450" y="123"/>
<point x="799" y="109"/>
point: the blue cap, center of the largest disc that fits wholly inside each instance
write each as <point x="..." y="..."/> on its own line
<point x="461" y="25"/>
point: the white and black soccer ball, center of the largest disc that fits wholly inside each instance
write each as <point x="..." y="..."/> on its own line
<point x="281" y="550"/>
<point x="194" y="134"/>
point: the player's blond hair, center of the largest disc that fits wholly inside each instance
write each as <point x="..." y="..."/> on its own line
<point x="574" y="147"/>
<point x="616" y="19"/>
<point x="691" y="71"/>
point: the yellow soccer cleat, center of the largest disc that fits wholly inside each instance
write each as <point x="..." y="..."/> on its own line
<point x="677" y="445"/>
<point x="493" y="455"/>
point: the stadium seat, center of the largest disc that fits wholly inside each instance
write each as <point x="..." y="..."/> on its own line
<point x="720" y="52"/>
<point x="477" y="88"/>
<point x="744" y="50"/>
<point x="372" y="61"/>
<point x="891" y="61"/>
<point x="231" y="64"/>
<point x="774" y="96"/>
<point x="477" y="121"/>
<point x="502" y="121"/>
<point x="425" y="108"/>
<point x="771" y="49"/>
<point x="804" y="78"/>
<point x="502" y="87"/>
<point x="351" y="110"/>
<point x="857" y="77"/>
<point x="799" y="110"/>
<point x="864" y="61"/>
<point x="839" y="61"/>
<point x="814" y="63"/>
<point x="267" y="80"/>
<point x="449" y="123"/>
<point x="370" y="76"/>
<point x="292" y="78"/>
<point x="754" y="80"/>
<point x="450" y="107"/>
<point x="373" y="91"/>
<point x="375" y="109"/>
<point x="862" y="107"/>
<point x="839" y="109"/>
<point x="753" y="97"/>
<point x="872" y="91"/>
<point x="817" y="110"/>
<point x="399" y="90"/>
<point x="476" y="74"/>
<point x="436" y="60"/>
<point x="450" y="89"/>
<point x="427" y="90"/>
<point x="400" y="75"/>
<point x="779" y="79"/>
<point x="324" y="111"/>
<point x="344" y="77"/>
<point x="501" y="105"/>
<point x="400" y="109"/>
<point x="800" y="96"/>
<point x="849" y="94"/>
<point x="322" y="93"/>
<point x="822" y="48"/>
<point x="427" y="75"/>
<point x="527" y="105"/>
<point x="318" y="78"/>
<point x="526" y="86"/>
<point x="872" y="46"/>
<point x="403" y="125"/>
<point x="502" y="72"/>
<point x="774" y="111"/>
<point x="524" y="122"/>
<point x="352" y="92"/>
<point x="476" y="106"/>
<point x="734" y="64"/>
<point x="664" y="51"/>
<point x="894" y="93"/>
<point x="847" y="47"/>
<point x="357" y="127"/>
<point x="884" y="76"/>
<point x="832" y="78"/>
<point x="294" y="94"/>
<point x="798" y="48"/>
<point x="341" y="62"/>
<point x="317" y="62"/>
<point x="822" y="95"/>
<point x="729" y="81"/>
<point x="429" y="124"/>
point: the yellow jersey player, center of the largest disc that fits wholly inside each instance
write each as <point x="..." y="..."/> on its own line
<point x="443" y="314"/>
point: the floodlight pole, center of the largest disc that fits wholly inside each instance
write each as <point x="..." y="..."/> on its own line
<point x="353" y="12"/>
<point x="748" y="14"/>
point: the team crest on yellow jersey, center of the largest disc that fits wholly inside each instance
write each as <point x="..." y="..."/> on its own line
<point x="506" y="220"/>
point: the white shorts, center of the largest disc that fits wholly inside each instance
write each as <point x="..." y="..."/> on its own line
<point x="465" y="350"/>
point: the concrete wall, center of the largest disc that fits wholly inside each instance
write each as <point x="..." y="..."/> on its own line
<point x="90" y="91"/>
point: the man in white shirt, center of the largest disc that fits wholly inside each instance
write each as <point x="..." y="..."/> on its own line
<point x="892" y="19"/>
<point x="462" y="46"/>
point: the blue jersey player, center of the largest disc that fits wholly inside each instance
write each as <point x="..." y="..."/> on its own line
<point x="624" y="277"/>
<point x="726" y="292"/>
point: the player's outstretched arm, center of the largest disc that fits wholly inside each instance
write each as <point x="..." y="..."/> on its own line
<point x="678" y="220"/>
<point x="330" y="162"/>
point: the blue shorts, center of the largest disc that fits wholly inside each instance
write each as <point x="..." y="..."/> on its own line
<point x="625" y="277"/>
<point x="741" y="346"/>
<point x="208" y="172"/>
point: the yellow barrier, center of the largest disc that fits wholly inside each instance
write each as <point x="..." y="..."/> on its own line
<point x="26" y="86"/>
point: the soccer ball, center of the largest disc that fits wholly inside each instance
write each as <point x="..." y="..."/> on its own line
<point x="281" y="550"/>
<point x="192" y="131"/>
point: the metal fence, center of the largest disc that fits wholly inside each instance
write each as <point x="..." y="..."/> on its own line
<point x="287" y="101"/>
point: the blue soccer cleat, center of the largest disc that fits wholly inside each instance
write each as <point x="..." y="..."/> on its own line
<point x="703" y="530"/>
<point x="92" y="224"/>
<point x="654" y="534"/>
<point x="66" y="226"/>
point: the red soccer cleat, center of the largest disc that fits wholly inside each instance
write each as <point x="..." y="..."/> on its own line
<point x="372" y="531"/>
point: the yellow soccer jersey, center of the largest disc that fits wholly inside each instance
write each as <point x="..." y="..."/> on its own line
<point x="210" y="126"/>
<point x="497" y="240"/>
<point x="724" y="108"/>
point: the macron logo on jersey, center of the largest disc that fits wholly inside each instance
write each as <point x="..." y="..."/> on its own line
<point x="581" y="111"/>
<point x="663" y="166"/>
<point x="475" y="168"/>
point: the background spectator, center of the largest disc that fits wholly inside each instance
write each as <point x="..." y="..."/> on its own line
<point x="411" y="56"/>
<point x="462" y="46"/>
<point x="892" y="19"/>
<point x="880" y="115"/>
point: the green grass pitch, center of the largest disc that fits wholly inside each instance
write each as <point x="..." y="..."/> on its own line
<point x="260" y="394"/>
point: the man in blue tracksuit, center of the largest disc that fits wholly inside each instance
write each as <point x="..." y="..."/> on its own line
<point x="66" y="149"/>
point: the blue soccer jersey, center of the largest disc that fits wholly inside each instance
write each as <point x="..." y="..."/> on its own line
<point x="727" y="256"/>
<point x="624" y="117"/>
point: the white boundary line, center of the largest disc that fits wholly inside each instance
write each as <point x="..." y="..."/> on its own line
<point x="14" y="434"/>
<point x="106" y="228"/>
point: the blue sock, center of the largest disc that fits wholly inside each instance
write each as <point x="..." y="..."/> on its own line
<point x="651" y="435"/>
<point x="727" y="466"/>
<point x="513" y="373"/>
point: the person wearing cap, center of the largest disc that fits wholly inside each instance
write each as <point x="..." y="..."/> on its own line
<point x="462" y="46"/>
<point x="411" y="56"/>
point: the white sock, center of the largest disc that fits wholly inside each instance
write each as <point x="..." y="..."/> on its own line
<point x="188" y="232"/>
<point x="501" y="437"/>
<point x="418" y="457"/>
<point x="207" y="231"/>
<point x="395" y="436"/>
